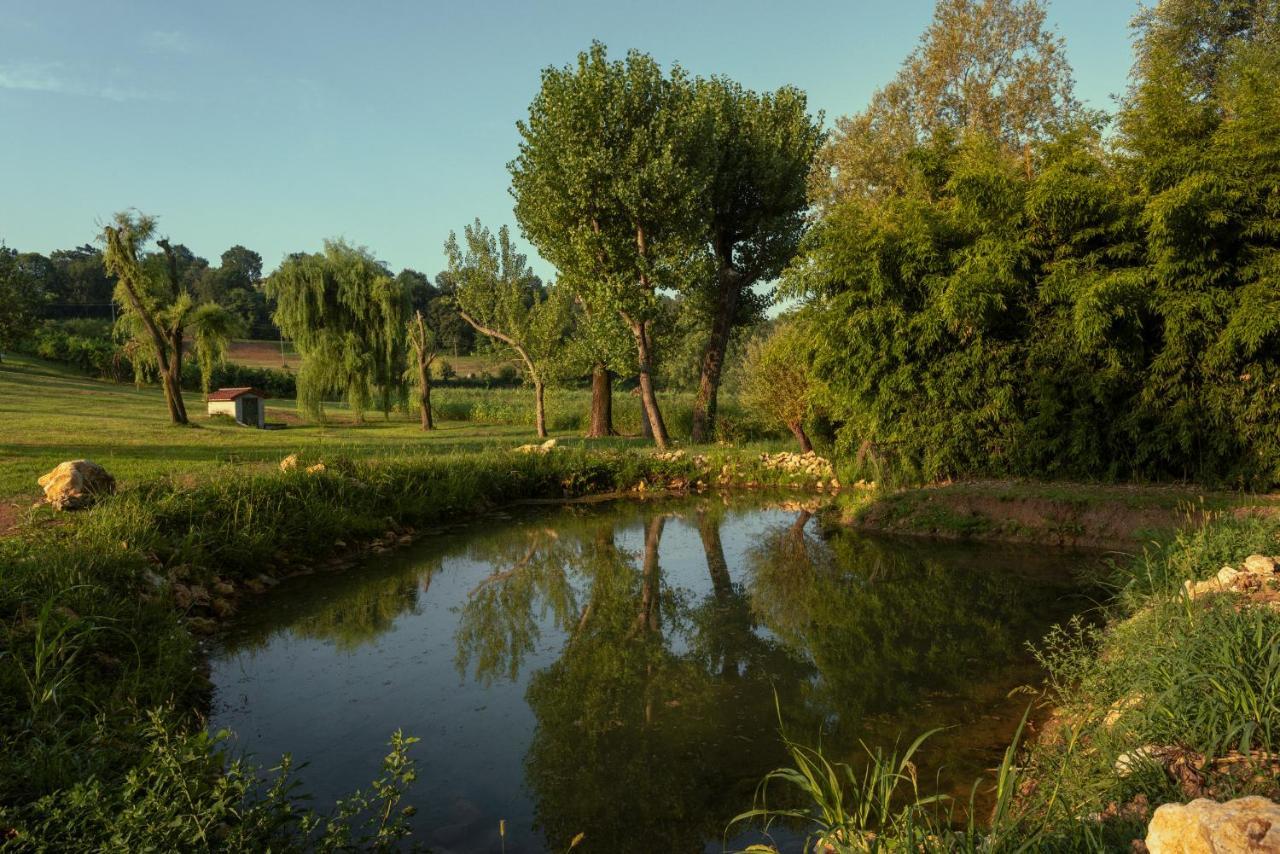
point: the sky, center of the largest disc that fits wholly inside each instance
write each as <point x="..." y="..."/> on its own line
<point x="278" y="124"/>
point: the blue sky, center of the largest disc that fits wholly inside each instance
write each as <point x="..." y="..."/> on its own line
<point x="277" y="124"/>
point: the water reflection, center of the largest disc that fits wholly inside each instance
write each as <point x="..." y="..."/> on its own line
<point x="615" y="668"/>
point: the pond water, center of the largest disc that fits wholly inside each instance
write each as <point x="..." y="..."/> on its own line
<point x="611" y="669"/>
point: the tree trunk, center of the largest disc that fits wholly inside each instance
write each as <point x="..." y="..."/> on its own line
<point x="173" y="398"/>
<point x="704" y="406"/>
<point x="540" y="408"/>
<point x="173" y="379"/>
<point x="601" y="402"/>
<point x="424" y="380"/>
<point x="650" y="581"/>
<point x="797" y="430"/>
<point x="648" y="399"/>
<point x="713" y="549"/>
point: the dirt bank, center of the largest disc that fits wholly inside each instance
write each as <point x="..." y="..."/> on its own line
<point x="1065" y="514"/>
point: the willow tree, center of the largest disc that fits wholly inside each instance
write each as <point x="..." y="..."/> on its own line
<point x="761" y="147"/>
<point x="158" y="310"/>
<point x="610" y="185"/>
<point x="498" y="294"/>
<point x="347" y="317"/>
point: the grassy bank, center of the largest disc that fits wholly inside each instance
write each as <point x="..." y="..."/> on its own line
<point x="1174" y="696"/>
<point x="49" y="414"/>
<point x="102" y="681"/>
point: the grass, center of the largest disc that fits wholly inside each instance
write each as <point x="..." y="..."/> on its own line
<point x="49" y="414"/>
<point x="101" y="678"/>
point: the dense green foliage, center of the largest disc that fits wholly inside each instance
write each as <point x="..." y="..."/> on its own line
<point x="1085" y="307"/>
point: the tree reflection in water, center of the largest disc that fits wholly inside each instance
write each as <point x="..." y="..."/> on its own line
<point x="652" y="685"/>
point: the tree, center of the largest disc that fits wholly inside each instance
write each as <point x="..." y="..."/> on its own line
<point x="600" y="344"/>
<point x="778" y="382"/>
<point x="423" y="348"/>
<point x="158" y="308"/>
<point x="986" y="66"/>
<point x="762" y="147"/>
<point x="498" y="294"/>
<point x="610" y="184"/>
<point x="20" y="298"/>
<point x="347" y="316"/>
<point x="82" y="278"/>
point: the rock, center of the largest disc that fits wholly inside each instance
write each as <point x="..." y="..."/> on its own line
<point x="76" y="484"/>
<point x="1130" y="761"/>
<point x="318" y="468"/>
<point x="289" y="463"/>
<point x="1226" y="576"/>
<point x="547" y="445"/>
<point x="1245" y="824"/>
<point x="201" y="625"/>
<point x="223" y="608"/>
<point x="222" y="588"/>
<point x="1259" y="565"/>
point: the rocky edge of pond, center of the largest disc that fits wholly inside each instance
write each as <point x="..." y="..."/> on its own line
<point x="205" y="602"/>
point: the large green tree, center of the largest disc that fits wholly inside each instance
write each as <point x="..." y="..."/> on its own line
<point x="347" y="316"/>
<point x="499" y="295"/>
<point x="610" y="185"/>
<point x="761" y="148"/>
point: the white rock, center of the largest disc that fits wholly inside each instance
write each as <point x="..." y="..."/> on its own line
<point x="76" y="484"/>
<point x="1205" y="827"/>
<point x="1259" y="565"/>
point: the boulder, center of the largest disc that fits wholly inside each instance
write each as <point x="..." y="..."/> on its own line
<point x="289" y="463"/>
<point x="1259" y="565"/>
<point x="76" y="484"/>
<point x="1245" y="824"/>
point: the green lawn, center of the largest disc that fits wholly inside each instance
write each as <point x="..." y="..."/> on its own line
<point x="49" y="414"/>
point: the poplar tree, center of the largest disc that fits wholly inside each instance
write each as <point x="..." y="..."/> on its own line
<point x="761" y="148"/>
<point x="499" y="295"/>
<point x="347" y="316"/>
<point x="610" y="185"/>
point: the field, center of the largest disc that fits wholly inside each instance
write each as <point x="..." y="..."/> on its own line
<point x="281" y="354"/>
<point x="49" y="414"/>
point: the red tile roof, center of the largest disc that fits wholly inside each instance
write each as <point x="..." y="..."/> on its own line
<point x="233" y="393"/>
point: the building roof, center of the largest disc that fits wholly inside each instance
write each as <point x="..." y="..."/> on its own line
<point x="233" y="393"/>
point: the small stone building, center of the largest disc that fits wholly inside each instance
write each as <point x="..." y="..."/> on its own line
<point x="246" y="405"/>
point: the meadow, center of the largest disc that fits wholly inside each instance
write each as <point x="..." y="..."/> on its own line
<point x="50" y="413"/>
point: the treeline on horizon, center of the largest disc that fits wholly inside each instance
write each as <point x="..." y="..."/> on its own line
<point x="981" y="275"/>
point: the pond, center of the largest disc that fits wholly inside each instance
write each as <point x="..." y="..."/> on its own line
<point x="611" y="669"/>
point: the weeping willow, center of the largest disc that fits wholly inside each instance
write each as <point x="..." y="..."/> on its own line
<point x="346" y="315"/>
